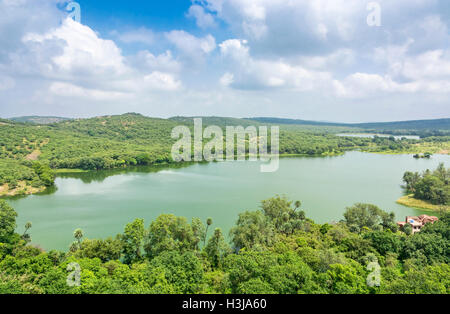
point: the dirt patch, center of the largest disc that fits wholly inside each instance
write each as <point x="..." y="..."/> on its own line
<point x="45" y="142"/>
<point x="444" y="152"/>
<point x="3" y="189"/>
<point x="34" y="155"/>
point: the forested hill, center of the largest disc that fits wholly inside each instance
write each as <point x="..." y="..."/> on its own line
<point x="29" y="151"/>
<point x="437" y="124"/>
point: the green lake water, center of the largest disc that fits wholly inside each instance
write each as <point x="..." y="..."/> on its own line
<point x="101" y="203"/>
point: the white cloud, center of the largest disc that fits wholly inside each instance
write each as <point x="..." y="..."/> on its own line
<point x="73" y="91"/>
<point x="202" y="18"/>
<point x="83" y="50"/>
<point x="251" y="73"/>
<point x="236" y="49"/>
<point x="429" y="65"/>
<point x="164" y="62"/>
<point x="190" y="45"/>
<point x="291" y="55"/>
<point x="227" y="79"/>
<point x="162" y="81"/>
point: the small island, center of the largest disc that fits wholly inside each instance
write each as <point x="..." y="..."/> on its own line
<point x="425" y="155"/>
<point x="429" y="190"/>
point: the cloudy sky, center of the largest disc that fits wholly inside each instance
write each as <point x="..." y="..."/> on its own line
<point x="322" y="60"/>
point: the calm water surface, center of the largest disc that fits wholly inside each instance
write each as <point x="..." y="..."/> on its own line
<point x="101" y="203"/>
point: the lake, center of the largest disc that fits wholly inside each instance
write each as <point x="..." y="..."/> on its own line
<point x="372" y="135"/>
<point x="101" y="203"/>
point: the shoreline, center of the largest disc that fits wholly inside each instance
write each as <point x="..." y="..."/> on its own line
<point x="6" y="193"/>
<point x="411" y="202"/>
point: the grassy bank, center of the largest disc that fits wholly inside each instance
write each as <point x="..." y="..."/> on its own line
<point x="410" y="201"/>
<point x="21" y="189"/>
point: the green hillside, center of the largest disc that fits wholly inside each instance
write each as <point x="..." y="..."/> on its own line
<point x="418" y="125"/>
<point x="29" y="151"/>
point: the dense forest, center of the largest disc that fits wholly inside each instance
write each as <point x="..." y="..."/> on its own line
<point x="423" y="128"/>
<point x="275" y="249"/>
<point x="111" y="142"/>
<point x="430" y="186"/>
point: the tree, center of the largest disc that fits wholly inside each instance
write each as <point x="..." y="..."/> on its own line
<point x="170" y="233"/>
<point x="78" y="235"/>
<point x="199" y="231"/>
<point x="106" y="250"/>
<point x="7" y="222"/>
<point x="442" y="173"/>
<point x="132" y="240"/>
<point x="209" y="222"/>
<point x="280" y="213"/>
<point x="384" y="241"/>
<point x="252" y="231"/>
<point x="217" y="248"/>
<point x="431" y="186"/>
<point x="26" y="236"/>
<point x="184" y="272"/>
<point x="411" y="179"/>
<point x="432" y="189"/>
<point x="366" y="215"/>
<point x="407" y="229"/>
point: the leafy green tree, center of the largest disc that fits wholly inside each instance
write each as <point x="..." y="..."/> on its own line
<point x="78" y="235"/>
<point x="430" y="245"/>
<point x="280" y="213"/>
<point x="199" y="231"/>
<point x="347" y="279"/>
<point x="170" y="233"/>
<point x="366" y="215"/>
<point x="217" y="248"/>
<point x="407" y="229"/>
<point x="209" y="222"/>
<point x="384" y="241"/>
<point x="132" y="241"/>
<point x="428" y="280"/>
<point x="107" y="250"/>
<point x="184" y="272"/>
<point x="7" y="222"/>
<point x="26" y="236"/>
<point x="252" y="230"/>
<point x="432" y="189"/>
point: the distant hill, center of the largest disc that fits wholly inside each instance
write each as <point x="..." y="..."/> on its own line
<point x="219" y="121"/>
<point x="420" y="125"/>
<point x="405" y="127"/>
<point x="39" y="120"/>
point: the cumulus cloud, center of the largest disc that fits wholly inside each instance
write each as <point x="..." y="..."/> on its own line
<point x="251" y="73"/>
<point x="195" y="49"/>
<point x="83" y="51"/>
<point x="202" y="18"/>
<point x="66" y="61"/>
<point x="276" y="53"/>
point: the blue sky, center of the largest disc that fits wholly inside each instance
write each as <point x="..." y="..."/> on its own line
<point x="334" y="60"/>
<point x="158" y="15"/>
